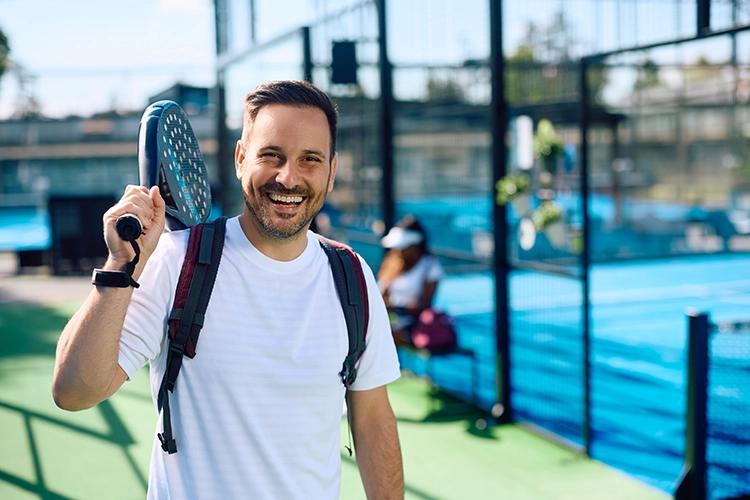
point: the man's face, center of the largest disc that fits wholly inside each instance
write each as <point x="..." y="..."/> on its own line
<point x="285" y="168"/>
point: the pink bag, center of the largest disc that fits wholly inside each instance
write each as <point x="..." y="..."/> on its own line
<point x="434" y="331"/>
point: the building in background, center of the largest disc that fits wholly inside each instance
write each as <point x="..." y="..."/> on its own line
<point x="59" y="176"/>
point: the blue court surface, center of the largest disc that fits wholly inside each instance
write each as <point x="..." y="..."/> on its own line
<point x="638" y="354"/>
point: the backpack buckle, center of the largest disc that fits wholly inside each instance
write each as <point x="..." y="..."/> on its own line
<point x="347" y="376"/>
<point x="175" y="349"/>
<point x="168" y="445"/>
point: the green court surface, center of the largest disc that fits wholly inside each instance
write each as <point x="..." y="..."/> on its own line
<point x="104" y="452"/>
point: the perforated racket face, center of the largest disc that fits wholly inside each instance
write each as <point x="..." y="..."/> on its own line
<point x="182" y="177"/>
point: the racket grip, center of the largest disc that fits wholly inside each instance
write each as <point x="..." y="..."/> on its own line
<point x="129" y="227"/>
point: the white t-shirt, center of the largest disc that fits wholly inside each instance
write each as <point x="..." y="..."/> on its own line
<point x="406" y="289"/>
<point x="257" y="412"/>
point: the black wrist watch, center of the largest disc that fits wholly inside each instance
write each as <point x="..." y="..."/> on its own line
<point x="116" y="279"/>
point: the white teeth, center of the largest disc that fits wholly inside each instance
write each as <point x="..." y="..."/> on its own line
<point x="285" y="199"/>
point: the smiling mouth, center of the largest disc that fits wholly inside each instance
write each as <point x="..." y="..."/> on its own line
<point x="285" y="199"/>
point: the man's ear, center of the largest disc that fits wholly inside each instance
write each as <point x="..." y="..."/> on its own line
<point x="332" y="176"/>
<point x="239" y="158"/>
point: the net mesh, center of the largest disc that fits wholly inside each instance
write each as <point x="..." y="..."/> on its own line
<point x="728" y="401"/>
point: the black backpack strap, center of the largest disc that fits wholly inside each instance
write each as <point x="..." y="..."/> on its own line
<point x="194" y="287"/>
<point x="352" y="291"/>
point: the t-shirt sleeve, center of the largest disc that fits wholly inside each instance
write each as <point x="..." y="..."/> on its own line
<point x="434" y="270"/>
<point x="379" y="363"/>
<point x="143" y="332"/>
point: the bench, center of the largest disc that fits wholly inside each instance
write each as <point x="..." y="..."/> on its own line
<point x="427" y="356"/>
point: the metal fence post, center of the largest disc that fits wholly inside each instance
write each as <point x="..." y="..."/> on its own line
<point x="503" y="411"/>
<point x="585" y="252"/>
<point x="386" y="117"/>
<point x="692" y="482"/>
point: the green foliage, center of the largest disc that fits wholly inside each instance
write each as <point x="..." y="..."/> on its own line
<point x="529" y="80"/>
<point x="547" y="213"/>
<point x="648" y="75"/>
<point x="547" y="145"/>
<point x="546" y="142"/>
<point x="444" y="91"/>
<point x="4" y="53"/>
<point x="509" y="187"/>
<point x="542" y="69"/>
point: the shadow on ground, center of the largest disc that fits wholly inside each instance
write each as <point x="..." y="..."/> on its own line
<point x="29" y="336"/>
<point x="444" y="407"/>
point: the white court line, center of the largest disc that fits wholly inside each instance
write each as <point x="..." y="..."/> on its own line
<point x="734" y="292"/>
<point x="737" y="292"/>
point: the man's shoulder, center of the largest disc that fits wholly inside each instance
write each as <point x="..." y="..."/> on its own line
<point x="174" y="241"/>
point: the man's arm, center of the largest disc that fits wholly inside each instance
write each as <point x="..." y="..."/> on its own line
<point x="376" y="443"/>
<point x="86" y="368"/>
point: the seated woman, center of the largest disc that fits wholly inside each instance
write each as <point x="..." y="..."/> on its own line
<point x="408" y="276"/>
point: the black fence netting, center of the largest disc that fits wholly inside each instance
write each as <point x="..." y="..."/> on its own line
<point x="728" y="407"/>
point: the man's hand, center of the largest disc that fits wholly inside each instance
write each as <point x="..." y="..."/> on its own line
<point x="149" y="207"/>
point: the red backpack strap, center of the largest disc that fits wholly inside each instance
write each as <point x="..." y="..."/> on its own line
<point x="352" y="291"/>
<point x="183" y="286"/>
<point x="194" y="287"/>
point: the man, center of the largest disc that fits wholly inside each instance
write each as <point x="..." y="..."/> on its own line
<point x="256" y="414"/>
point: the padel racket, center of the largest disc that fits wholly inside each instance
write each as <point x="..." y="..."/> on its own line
<point x="169" y="157"/>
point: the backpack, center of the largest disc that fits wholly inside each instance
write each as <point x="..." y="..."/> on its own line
<point x="434" y="331"/>
<point x="194" y="286"/>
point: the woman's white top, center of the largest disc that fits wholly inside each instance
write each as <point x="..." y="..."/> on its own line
<point x="406" y="288"/>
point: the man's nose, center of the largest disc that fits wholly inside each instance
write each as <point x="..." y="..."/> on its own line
<point x="288" y="175"/>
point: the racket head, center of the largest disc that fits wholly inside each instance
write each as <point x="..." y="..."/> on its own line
<point x="169" y="157"/>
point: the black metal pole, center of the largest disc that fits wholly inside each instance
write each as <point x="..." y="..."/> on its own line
<point x="307" y="64"/>
<point x="498" y="111"/>
<point x="253" y="28"/>
<point x="223" y="166"/>
<point x="692" y="485"/>
<point x="386" y="118"/>
<point x="585" y="254"/>
<point x="703" y="18"/>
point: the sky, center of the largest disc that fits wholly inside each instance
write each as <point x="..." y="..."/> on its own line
<point x="87" y="56"/>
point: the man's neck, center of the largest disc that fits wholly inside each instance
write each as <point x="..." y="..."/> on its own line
<point x="283" y="250"/>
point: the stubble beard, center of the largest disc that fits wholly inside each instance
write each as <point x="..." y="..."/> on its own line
<point x="280" y="231"/>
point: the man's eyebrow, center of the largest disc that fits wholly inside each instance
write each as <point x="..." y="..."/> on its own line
<point x="313" y="152"/>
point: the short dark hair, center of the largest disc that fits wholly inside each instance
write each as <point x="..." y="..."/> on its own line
<point x="291" y="93"/>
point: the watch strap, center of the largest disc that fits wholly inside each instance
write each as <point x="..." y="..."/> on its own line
<point x="116" y="279"/>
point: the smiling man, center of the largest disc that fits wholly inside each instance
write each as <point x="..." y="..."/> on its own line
<point x="257" y="412"/>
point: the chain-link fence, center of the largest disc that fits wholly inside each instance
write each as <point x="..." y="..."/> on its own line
<point x="717" y="453"/>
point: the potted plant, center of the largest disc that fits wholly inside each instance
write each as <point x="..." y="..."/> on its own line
<point x="509" y="187"/>
<point x="547" y="145"/>
<point x="548" y="218"/>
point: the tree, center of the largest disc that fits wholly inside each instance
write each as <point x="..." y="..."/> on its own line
<point x="648" y="75"/>
<point x="4" y="53"/>
<point x="543" y="69"/>
<point x="444" y="91"/>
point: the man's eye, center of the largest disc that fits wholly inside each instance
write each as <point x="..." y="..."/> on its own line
<point x="312" y="159"/>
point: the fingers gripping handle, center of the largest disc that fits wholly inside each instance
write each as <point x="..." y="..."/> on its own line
<point x="129" y="228"/>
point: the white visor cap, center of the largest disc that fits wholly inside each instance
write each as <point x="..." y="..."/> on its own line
<point x="400" y="238"/>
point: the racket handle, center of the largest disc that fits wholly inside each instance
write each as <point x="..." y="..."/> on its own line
<point x="129" y="227"/>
